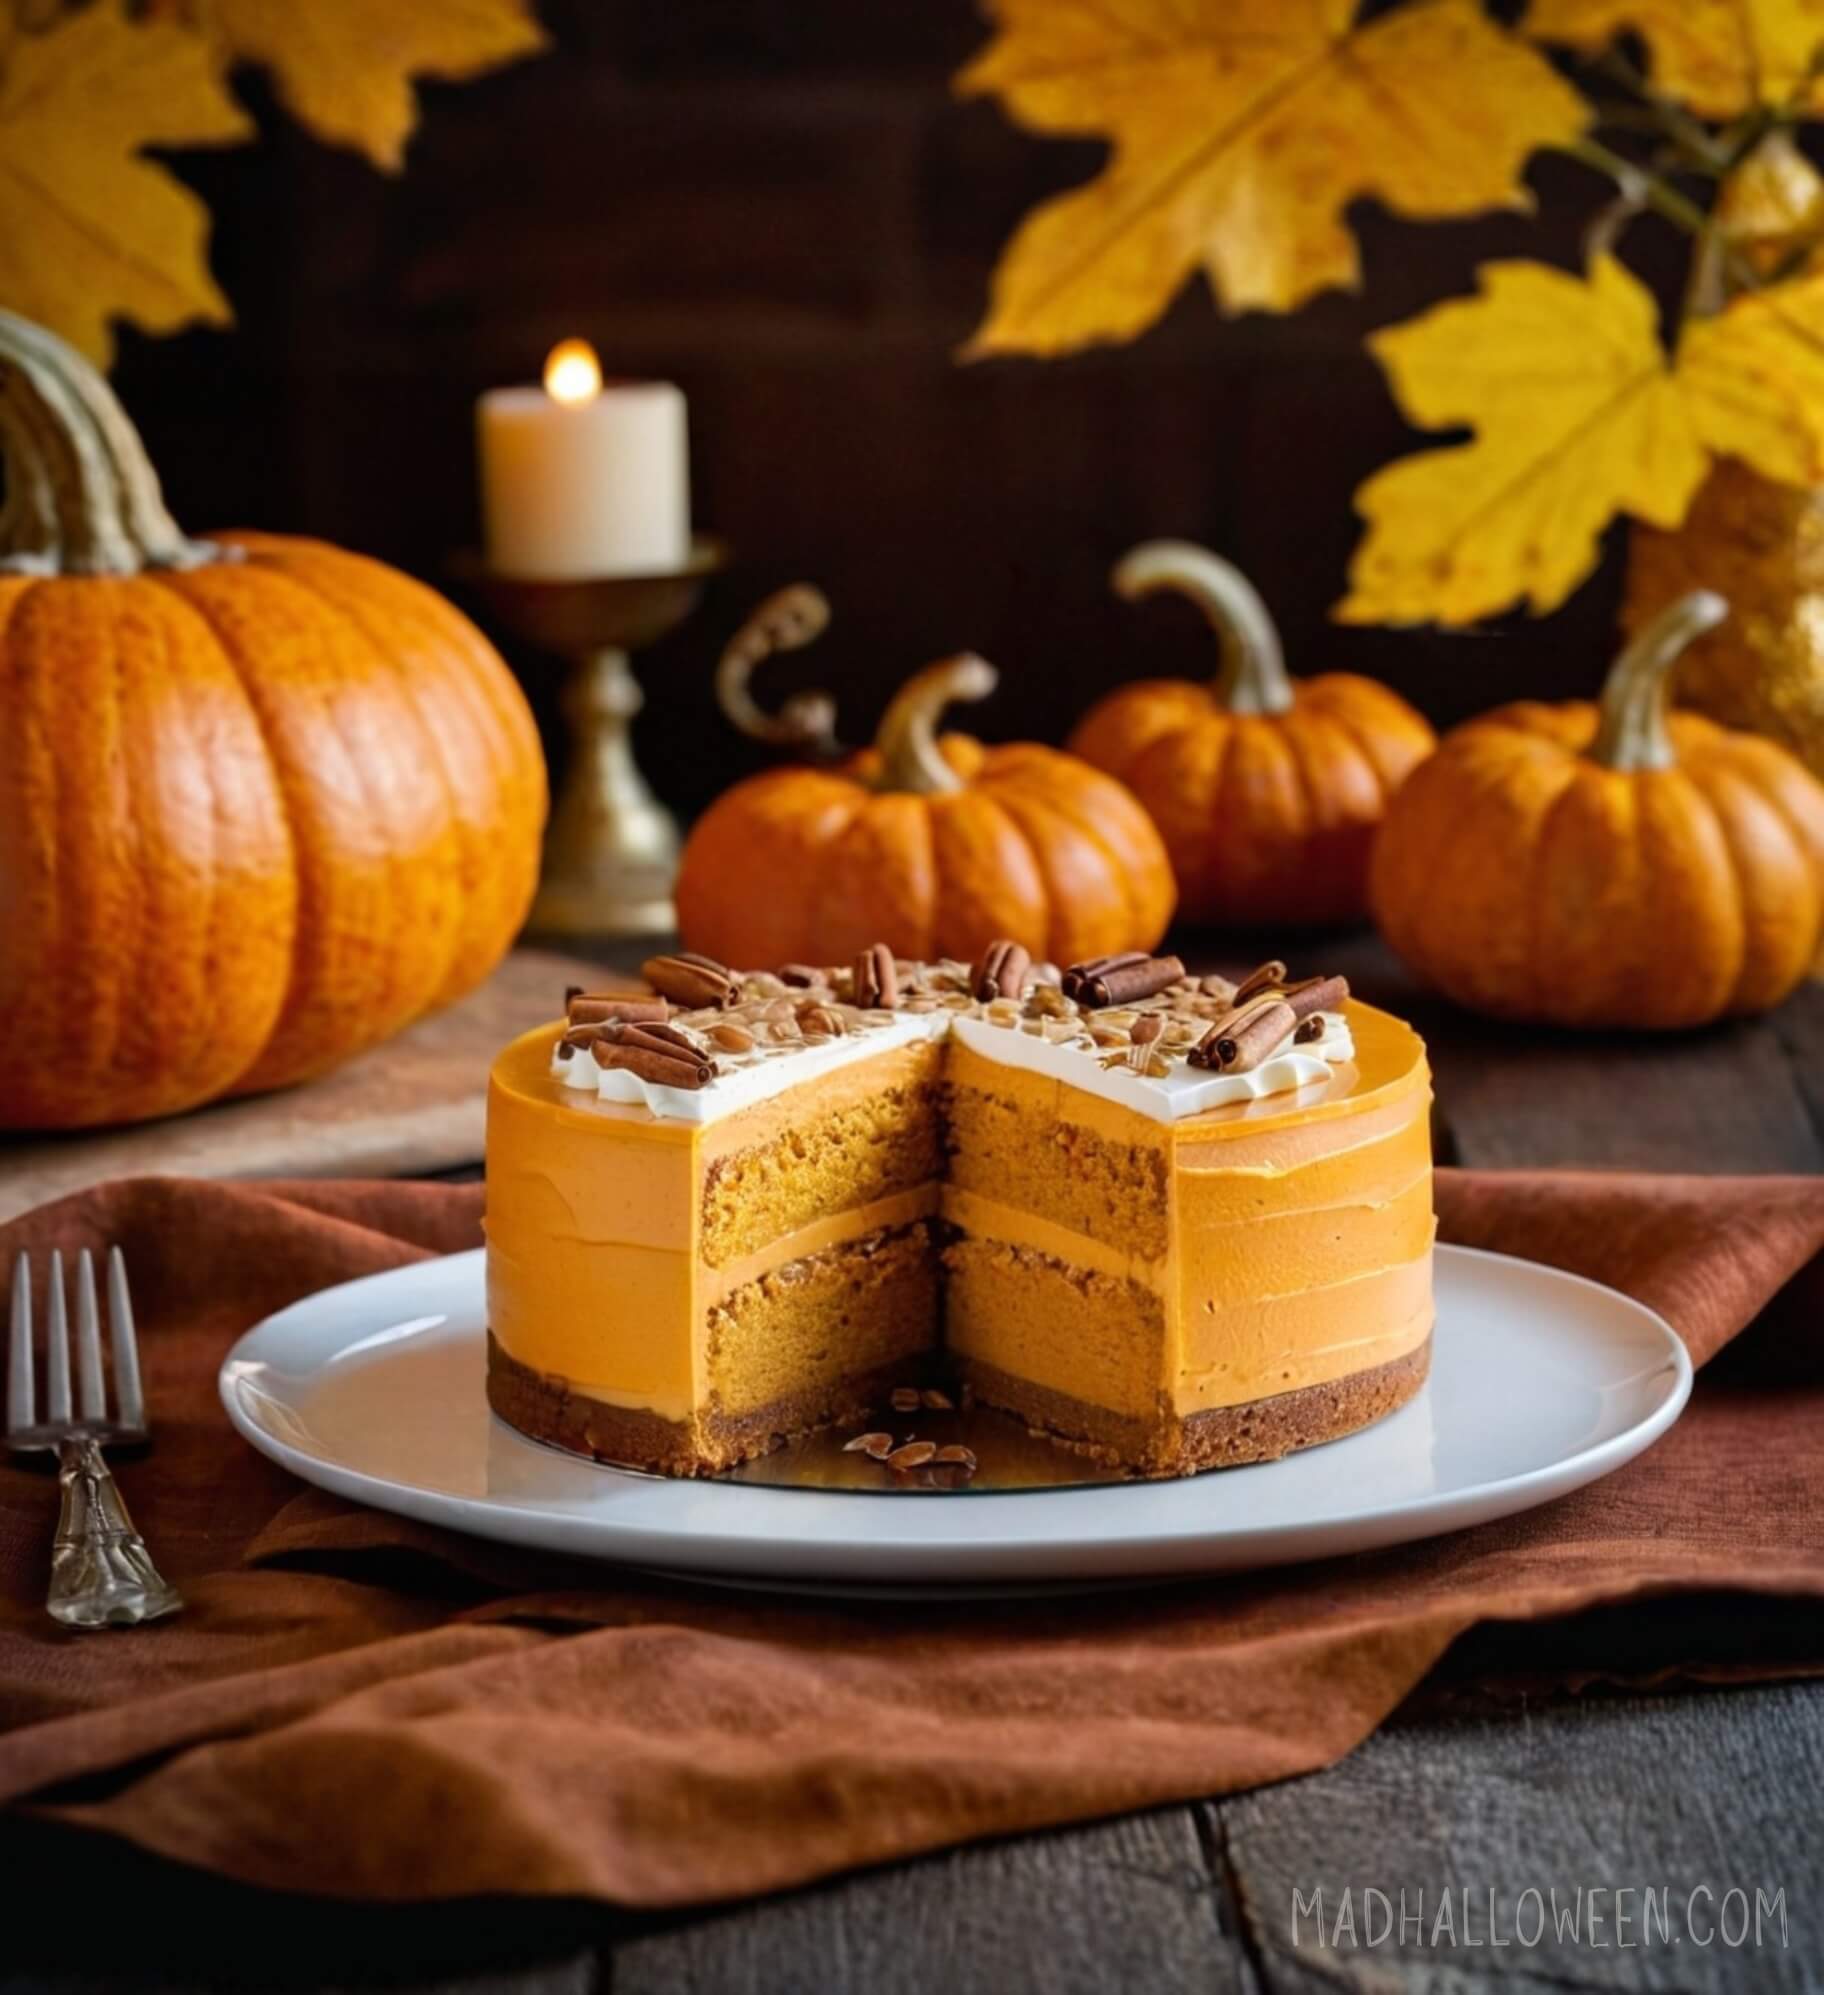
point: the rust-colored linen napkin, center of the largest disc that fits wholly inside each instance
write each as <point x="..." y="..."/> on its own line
<point x="355" y="1704"/>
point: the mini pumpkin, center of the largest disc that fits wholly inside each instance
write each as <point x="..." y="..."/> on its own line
<point x="1267" y="789"/>
<point x="1611" y="865"/>
<point x="262" y="802"/>
<point x="934" y="845"/>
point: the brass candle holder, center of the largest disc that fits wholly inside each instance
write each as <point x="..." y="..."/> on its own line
<point x="611" y="850"/>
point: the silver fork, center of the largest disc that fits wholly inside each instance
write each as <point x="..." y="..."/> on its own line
<point x="101" y="1573"/>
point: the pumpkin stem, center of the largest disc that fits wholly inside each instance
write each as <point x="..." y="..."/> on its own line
<point x="1252" y="677"/>
<point x="81" y="495"/>
<point x="1632" y="732"/>
<point x="785" y="621"/>
<point x="910" y="758"/>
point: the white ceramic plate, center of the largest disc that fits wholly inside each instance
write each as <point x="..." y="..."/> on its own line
<point x="1540" y="1382"/>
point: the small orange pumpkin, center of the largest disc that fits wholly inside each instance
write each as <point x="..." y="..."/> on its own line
<point x="1608" y="865"/>
<point x="262" y="802"/>
<point x="1267" y="789"/>
<point x="933" y="845"/>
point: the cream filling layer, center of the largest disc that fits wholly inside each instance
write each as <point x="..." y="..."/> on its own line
<point x="987" y="1219"/>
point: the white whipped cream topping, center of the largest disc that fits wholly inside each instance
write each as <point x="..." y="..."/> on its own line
<point x="740" y="1085"/>
<point x="1185" y="1090"/>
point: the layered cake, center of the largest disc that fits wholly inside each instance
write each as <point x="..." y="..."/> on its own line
<point x="1173" y="1222"/>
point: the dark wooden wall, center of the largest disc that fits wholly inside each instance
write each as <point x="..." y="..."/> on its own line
<point x="778" y="204"/>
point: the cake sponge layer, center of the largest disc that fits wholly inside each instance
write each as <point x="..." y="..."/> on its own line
<point x="1094" y="1335"/>
<point x="831" y="1161"/>
<point x="1048" y="1164"/>
<point x="803" y="1328"/>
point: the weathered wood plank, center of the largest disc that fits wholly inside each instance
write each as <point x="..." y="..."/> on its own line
<point x="1684" y="1795"/>
<point x="1799" y="1027"/>
<point x="1125" y="1904"/>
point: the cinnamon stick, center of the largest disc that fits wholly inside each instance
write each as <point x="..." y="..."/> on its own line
<point x="876" y="979"/>
<point x="666" y="1041"/>
<point x="1316" y="994"/>
<point x="1227" y="1028"/>
<point x="1127" y="982"/>
<point x="1080" y="974"/>
<point x="1268" y="976"/>
<point x="668" y="1070"/>
<point x="1253" y="1036"/>
<point x="1001" y="972"/>
<point x="597" y="1007"/>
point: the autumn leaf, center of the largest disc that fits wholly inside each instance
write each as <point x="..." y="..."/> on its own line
<point x="344" y="68"/>
<point x="1719" y="57"/>
<point x="1771" y="205"/>
<point x="1241" y="131"/>
<point x="1578" y="413"/>
<point x="94" y="231"/>
<point x="1753" y="378"/>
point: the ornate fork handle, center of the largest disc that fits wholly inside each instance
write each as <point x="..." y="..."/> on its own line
<point x="101" y="1573"/>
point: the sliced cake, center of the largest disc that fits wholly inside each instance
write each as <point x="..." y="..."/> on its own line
<point x="1174" y="1222"/>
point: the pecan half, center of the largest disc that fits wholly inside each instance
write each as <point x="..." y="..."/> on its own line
<point x="876" y="979"/>
<point x="692" y="981"/>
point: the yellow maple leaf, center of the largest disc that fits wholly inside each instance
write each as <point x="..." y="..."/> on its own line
<point x="1578" y="414"/>
<point x="1753" y="379"/>
<point x="93" y="231"/>
<point x="1771" y="205"/>
<point x="1719" y="57"/>
<point x="1241" y="131"/>
<point x="344" y="68"/>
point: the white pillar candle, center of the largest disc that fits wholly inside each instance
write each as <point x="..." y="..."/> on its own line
<point x="582" y="477"/>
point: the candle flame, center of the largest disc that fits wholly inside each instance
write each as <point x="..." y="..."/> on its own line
<point x="572" y="372"/>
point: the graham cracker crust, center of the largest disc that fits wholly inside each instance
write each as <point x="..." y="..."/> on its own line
<point x="1259" y="1430"/>
<point x="629" y="1437"/>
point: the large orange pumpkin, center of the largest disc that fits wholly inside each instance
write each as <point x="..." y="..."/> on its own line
<point x="1608" y="866"/>
<point x="262" y="802"/>
<point x="1267" y="789"/>
<point x="934" y="846"/>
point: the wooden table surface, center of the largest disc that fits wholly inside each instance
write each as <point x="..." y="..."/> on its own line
<point x="1490" y="1778"/>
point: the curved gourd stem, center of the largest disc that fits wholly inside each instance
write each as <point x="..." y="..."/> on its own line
<point x="81" y="495"/>
<point x="1632" y="732"/>
<point x="907" y="742"/>
<point x="784" y="622"/>
<point x="1252" y="677"/>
